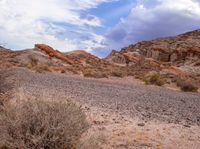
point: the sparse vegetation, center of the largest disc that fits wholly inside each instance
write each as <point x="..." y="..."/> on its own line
<point x="186" y="86"/>
<point x="42" y="68"/>
<point x="89" y="72"/>
<point x="41" y="124"/>
<point x="95" y="141"/>
<point x="119" y="73"/>
<point x="154" y="79"/>
<point x="33" y="61"/>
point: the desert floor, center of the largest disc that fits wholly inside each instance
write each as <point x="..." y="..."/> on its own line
<point x="123" y="113"/>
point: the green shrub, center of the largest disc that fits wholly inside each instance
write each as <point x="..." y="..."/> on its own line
<point x="41" y="125"/>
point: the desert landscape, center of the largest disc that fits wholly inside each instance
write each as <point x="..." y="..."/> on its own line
<point x="144" y="96"/>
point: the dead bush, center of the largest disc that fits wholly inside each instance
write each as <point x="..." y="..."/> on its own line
<point x="153" y="78"/>
<point x="41" y="125"/>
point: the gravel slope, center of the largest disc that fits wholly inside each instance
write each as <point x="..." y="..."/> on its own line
<point x="129" y="98"/>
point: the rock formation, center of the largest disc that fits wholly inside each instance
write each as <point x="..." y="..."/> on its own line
<point x="175" y="55"/>
<point x="180" y="48"/>
<point x="171" y="57"/>
<point x="53" y="53"/>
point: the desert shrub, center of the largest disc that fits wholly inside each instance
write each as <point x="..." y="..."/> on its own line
<point x="88" y="72"/>
<point x="41" y="125"/>
<point x="94" y="73"/>
<point x="42" y="68"/>
<point x="94" y="141"/>
<point x="119" y="73"/>
<point x="33" y="61"/>
<point x="153" y="78"/>
<point x="187" y="86"/>
<point x="179" y="81"/>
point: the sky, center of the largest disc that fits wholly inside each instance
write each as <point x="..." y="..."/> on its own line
<point x="97" y="26"/>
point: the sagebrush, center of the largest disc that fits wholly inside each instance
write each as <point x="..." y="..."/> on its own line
<point x="41" y="125"/>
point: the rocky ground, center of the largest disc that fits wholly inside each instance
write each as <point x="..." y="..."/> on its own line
<point x="124" y="113"/>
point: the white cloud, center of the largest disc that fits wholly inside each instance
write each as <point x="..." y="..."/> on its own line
<point x="156" y="18"/>
<point x="25" y="22"/>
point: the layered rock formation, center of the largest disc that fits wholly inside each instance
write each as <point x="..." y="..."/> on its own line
<point x="53" y="53"/>
<point x="181" y="52"/>
<point x="173" y="56"/>
<point x="82" y="57"/>
<point x="171" y="49"/>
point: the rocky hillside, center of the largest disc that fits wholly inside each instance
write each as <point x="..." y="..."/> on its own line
<point x="181" y="51"/>
<point x="43" y="58"/>
<point x="172" y="49"/>
<point x="171" y="59"/>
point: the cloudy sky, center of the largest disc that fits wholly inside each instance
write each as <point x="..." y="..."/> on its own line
<point x="97" y="26"/>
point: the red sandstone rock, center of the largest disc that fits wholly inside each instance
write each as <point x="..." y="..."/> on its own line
<point x="53" y="53"/>
<point x="171" y="49"/>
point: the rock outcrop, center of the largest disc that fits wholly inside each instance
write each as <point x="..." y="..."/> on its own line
<point x="82" y="57"/>
<point x="182" y="51"/>
<point x="53" y="53"/>
<point x="181" y="48"/>
<point x="116" y="57"/>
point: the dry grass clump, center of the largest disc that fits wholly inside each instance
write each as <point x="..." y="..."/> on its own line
<point x="33" y="61"/>
<point x="42" y="68"/>
<point x="41" y="125"/>
<point x="94" y="73"/>
<point x="186" y="86"/>
<point x="153" y="79"/>
<point x="119" y="73"/>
